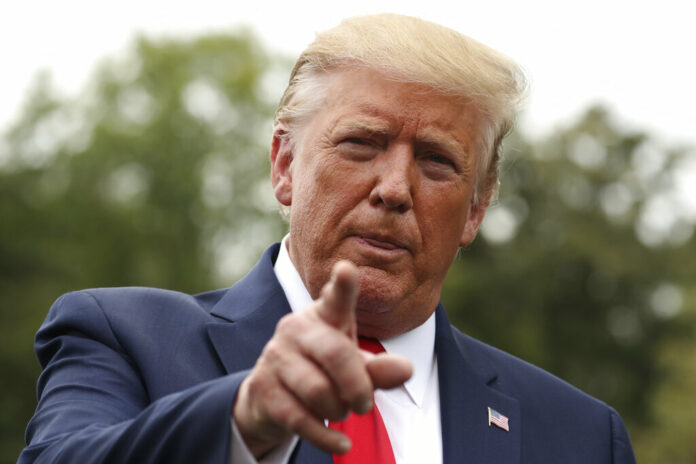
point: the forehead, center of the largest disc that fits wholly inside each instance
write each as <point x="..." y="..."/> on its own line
<point x="367" y="99"/>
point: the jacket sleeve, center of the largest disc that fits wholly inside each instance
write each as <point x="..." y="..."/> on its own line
<point x="94" y="407"/>
<point x="622" y="451"/>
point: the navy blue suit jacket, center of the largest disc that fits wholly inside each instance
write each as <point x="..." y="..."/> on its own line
<point x="145" y="375"/>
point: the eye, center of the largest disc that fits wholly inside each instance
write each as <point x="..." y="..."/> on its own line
<point x="439" y="159"/>
<point x="438" y="166"/>
<point x="358" y="148"/>
<point x="356" y="141"/>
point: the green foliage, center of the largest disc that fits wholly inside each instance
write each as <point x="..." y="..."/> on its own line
<point x="669" y="438"/>
<point x="158" y="175"/>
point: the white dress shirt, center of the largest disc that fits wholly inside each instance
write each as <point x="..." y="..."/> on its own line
<point x="411" y="412"/>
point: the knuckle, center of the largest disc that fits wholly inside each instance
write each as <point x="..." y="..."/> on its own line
<point x="279" y="411"/>
<point x="255" y="383"/>
<point x="292" y="418"/>
<point x="273" y="352"/>
<point x="338" y="353"/>
<point x="289" y="324"/>
<point x="258" y="382"/>
<point x="318" y="389"/>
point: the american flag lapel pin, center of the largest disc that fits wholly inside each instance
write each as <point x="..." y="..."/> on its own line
<point x="497" y="419"/>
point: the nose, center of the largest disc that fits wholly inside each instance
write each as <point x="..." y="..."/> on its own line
<point x="394" y="183"/>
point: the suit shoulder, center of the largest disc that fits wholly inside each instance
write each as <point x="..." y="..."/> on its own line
<point x="124" y="298"/>
<point x="522" y="379"/>
<point x="132" y="309"/>
<point x="547" y="405"/>
<point x="129" y="319"/>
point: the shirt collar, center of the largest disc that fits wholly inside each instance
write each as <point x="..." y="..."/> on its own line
<point x="417" y="345"/>
<point x="288" y="277"/>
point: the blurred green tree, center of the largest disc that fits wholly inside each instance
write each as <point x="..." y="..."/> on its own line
<point x="668" y="438"/>
<point x="158" y="175"/>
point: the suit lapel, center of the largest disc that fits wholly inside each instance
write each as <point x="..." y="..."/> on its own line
<point x="465" y="395"/>
<point x="248" y="314"/>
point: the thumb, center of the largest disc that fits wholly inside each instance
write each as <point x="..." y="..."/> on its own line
<point x="388" y="370"/>
<point x="336" y="306"/>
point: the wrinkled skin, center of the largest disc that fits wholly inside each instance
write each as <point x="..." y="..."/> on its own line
<point x="380" y="184"/>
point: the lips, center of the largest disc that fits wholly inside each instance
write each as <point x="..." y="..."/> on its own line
<point x="383" y="242"/>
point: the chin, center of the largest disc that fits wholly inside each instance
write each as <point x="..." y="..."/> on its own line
<point x="378" y="295"/>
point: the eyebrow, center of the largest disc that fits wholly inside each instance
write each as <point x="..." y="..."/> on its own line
<point x="442" y="143"/>
<point x="362" y="126"/>
<point x="376" y="124"/>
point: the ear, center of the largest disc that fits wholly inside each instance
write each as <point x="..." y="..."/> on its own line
<point x="281" y="162"/>
<point x="474" y="220"/>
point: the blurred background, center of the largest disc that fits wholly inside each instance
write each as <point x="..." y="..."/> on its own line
<point x="133" y="151"/>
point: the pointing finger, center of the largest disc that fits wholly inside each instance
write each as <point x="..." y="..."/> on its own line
<point x="339" y="297"/>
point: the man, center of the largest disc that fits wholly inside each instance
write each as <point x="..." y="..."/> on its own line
<point x="384" y="155"/>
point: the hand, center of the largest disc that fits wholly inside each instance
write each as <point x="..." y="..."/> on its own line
<point x="311" y="370"/>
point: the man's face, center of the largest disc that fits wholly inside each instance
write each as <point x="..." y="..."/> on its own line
<point x="382" y="175"/>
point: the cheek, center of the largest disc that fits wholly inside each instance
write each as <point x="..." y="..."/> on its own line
<point x="340" y="185"/>
<point x="443" y="222"/>
<point x="317" y="201"/>
<point x="306" y="184"/>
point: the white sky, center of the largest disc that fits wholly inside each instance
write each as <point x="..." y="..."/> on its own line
<point x="636" y="57"/>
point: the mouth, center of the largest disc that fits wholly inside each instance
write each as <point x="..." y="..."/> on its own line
<point x="382" y="242"/>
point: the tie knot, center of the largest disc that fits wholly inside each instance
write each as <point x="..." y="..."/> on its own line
<point x="370" y="344"/>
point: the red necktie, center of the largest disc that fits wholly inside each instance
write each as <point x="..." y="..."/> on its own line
<point x="371" y="443"/>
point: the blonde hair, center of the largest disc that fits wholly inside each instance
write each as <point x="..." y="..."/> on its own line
<point x="412" y="50"/>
